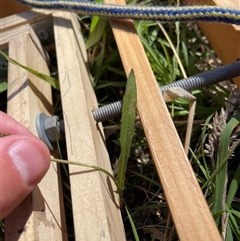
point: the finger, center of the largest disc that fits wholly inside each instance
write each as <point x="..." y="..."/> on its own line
<point x="10" y="126"/>
<point x="23" y="162"/>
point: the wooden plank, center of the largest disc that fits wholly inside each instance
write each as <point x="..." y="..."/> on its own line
<point x="38" y="216"/>
<point x="188" y="206"/>
<point x="224" y="39"/>
<point x="33" y="16"/>
<point x="9" y="7"/>
<point x="17" y="24"/>
<point x="95" y="207"/>
<point x="5" y="38"/>
<point x="24" y="29"/>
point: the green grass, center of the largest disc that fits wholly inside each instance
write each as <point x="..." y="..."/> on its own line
<point x="174" y="52"/>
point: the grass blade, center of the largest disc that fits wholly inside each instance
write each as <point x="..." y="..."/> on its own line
<point x="54" y="83"/>
<point x="234" y="225"/>
<point x="229" y="236"/>
<point x="220" y="184"/>
<point x="127" y="128"/>
<point x="97" y="30"/>
<point x="233" y="186"/>
<point x="132" y="225"/>
<point x="90" y="166"/>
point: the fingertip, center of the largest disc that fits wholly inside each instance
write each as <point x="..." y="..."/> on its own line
<point x="24" y="160"/>
<point x="31" y="158"/>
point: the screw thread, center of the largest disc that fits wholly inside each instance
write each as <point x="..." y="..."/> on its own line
<point x="205" y="79"/>
<point x="108" y="112"/>
<point x="198" y="81"/>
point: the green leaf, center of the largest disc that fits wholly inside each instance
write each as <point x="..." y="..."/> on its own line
<point x="90" y="166"/>
<point x="233" y="223"/>
<point x="132" y="225"/>
<point x="127" y="127"/>
<point x="229" y="236"/>
<point x="54" y="83"/>
<point x="97" y="30"/>
<point x="94" y="22"/>
<point x="3" y="86"/>
<point x="233" y="186"/>
<point x="153" y="182"/>
<point x="220" y="183"/>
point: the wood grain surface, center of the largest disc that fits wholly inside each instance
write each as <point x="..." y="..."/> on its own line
<point x="10" y="7"/>
<point x="224" y="38"/>
<point x="96" y="212"/>
<point x="38" y="217"/>
<point x="189" y="209"/>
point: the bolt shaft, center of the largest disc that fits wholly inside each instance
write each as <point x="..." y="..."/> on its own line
<point x="108" y="112"/>
<point x="198" y="81"/>
<point x="47" y="126"/>
<point x="207" y="78"/>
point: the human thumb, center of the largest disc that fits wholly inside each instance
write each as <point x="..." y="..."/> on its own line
<point x="24" y="160"/>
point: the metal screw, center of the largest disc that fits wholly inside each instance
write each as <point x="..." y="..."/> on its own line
<point x="108" y="112"/>
<point x="198" y="81"/>
<point x="50" y="129"/>
<point x="4" y="65"/>
<point x="43" y="34"/>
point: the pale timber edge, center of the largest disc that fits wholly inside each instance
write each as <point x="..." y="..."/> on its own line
<point x="33" y="16"/>
<point x="38" y="217"/>
<point x="95" y="206"/>
<point x="224" y="38"/>
<point x="187" y="204"/>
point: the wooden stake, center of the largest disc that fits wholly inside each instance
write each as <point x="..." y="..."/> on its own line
<point x="95" y="206"/>
<point x="188" y="206"/>
<point x="224" y="38"/>
<point x="10" y="7"/>
<point x="38" y="217"/>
